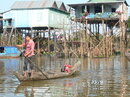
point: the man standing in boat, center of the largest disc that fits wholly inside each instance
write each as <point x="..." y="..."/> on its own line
<point x="29" y="54"/>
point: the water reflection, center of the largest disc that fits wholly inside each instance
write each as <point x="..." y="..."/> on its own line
<point x="99" y="77"/>
<point x="7" y="66"/>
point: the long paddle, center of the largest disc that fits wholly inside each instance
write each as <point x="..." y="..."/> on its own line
<point x="35" y="66"/>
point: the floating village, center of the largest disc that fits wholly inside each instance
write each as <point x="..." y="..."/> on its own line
<point x="97" y="28"/>
<point x="81" y="49"/>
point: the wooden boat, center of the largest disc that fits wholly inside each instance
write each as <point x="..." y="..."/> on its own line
<point x="9" y="52"/>
<point x="127" y="54"/>
<point x="49" y="74"/>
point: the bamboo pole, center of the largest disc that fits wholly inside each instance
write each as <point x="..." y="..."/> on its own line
<point x="48" y="40"/>
<point x="103" y="37"/>
<point x="98" y="32"/>
<point x="88" y="54"/>
<point x="111" y="46"/>
<point x="54" y="42"/>
<point x="93" y="29"/>
<point x="120" y="38"/>
<point x="65" y="50"/>
<point x="81" y="42"/>
<point x="90" y="41"/>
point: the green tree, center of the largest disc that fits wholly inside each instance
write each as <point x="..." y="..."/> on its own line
<point x="128" y="23"/>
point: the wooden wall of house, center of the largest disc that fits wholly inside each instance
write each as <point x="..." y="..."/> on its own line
<point x="30" y="18"/>
<point x="107" y="8"/>
<point x="116" y="6"/>
<point x="36" y="18"/>
<point x="39" y="18"/>
<point x="125" y="10"/>
<point x="7" y="18"/>
<point x="78" y="11"/>
<point x="8" y="15"/>
<point x="21" y="18"/>
<point x="57" y="19"/>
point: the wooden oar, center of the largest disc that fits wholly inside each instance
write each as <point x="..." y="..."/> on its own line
<point x="36" y="66"/>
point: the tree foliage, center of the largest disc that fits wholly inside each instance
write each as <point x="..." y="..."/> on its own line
<point x="128" y="23"/>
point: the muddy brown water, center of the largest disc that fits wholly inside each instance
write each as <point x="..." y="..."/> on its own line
<point x="98" y="77"/>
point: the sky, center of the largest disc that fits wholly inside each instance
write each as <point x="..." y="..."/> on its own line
<point x="6" y="4"/>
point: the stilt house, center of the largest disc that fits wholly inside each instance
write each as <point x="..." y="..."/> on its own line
<point x="33" y="14"/>
<point x="101" y="9"/>
<point x="102" y="19"/>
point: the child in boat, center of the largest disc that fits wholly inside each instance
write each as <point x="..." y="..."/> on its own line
<point x="29" y="54"/>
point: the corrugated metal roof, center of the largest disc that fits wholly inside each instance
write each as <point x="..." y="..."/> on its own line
<point x="38" y="4"/>
<point x="49" y="3"/>
<point x="59" y="3"/>
<point x="103" y="0"/>
<point x="92" y="3"/>
<point x="21" y="4"/>
<point x="5" y="11"/>
<point x="32" y="4"/>
<point x="68" y="8"/>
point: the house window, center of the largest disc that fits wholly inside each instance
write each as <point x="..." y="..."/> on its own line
<point x="88" y="9"/>
<point x="98" y="9"/>
<point x="10" y="22"/>
<point x="113" y="9"/>
<point x="83" y="8"/>
<point x="39" y="17"/>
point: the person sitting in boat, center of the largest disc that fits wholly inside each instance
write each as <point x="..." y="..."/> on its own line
<point x="29" y="54"/>
<point x="66" y="68"/>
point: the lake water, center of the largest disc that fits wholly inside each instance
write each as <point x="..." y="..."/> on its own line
<point x="98" y="77"/>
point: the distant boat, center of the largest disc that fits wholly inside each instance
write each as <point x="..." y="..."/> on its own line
<point x="9" y="52"/>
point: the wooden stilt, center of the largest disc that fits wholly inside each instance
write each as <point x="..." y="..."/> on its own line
<point x="103" y="38"/>
<point x="49" y="40"/>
